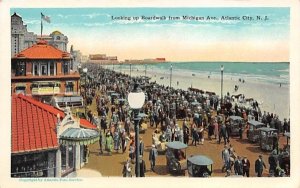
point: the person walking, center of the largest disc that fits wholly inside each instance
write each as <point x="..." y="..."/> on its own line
<point x="201" y="135"/>
<point x="259" y="166"/>
<point x="109" y="143"/>
<point x="223" y="134"/>
<point x="101" y="141"/>
<point x="238" y="166"/>
<point x="123" y="140"/>
<point x="103" y="123"/>
<point x="141" y="147"/>
<point x="131" y="151"/>
<point x="127" y="169"/>
<point x="272" y="163"/>
<point x="186" y="136"/>
<point x="246" y="166"/>
<point x="216" y="129"/>
<point x="142" y="166"/>
<point x="152" y="156"/>
<point x="226" y="159"/>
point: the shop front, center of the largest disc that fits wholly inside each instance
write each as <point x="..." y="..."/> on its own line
<point x="40" y="164"/>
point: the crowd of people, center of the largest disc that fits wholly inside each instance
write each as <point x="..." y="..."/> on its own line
<point x="164" y="106"/>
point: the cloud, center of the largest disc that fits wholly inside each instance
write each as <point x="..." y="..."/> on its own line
<point x="94" y="15"/>
<point x="31" y="22"/>
<point x="90" y="16"/>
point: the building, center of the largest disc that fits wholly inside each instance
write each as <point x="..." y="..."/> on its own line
<point x="22" y="39"/>
<point x="56" y="39"/>
<point x="43" y="71"/>
<point x="45" y="141"/>
<point x="102" y="59"/>
<point x="76" y="58"/>
<point x="145" y="61"/>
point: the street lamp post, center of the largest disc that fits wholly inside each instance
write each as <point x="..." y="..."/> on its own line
<point x="130" y="69"/>
<point x="145" y="70"/>
<point x="136" y="100"/>
<point x="85" y="88"/>
<point x="222" y="70"/>
<point x="171" y="75"/>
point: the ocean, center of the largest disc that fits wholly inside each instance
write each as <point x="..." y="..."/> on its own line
<point x="275" y="73"/>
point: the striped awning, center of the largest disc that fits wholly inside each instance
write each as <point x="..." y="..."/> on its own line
<point x="79" y="136"/>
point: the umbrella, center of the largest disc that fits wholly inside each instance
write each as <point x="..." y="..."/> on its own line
<point x="176" y="145"/>
<point x="200" y="160"/>
<point x="234" y="118"/>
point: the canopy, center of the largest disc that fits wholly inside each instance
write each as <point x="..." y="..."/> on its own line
<point x="255" y="123"/>
<point x="200" y="160"/>
<point x="68" y="99"/>
<point x="176" y="145"/>
<point x="234" y="118"/>
<point x="79" y="136"/>
<point x="267" y="129"/>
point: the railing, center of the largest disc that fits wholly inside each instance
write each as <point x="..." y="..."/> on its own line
<point x="72" y="93"/>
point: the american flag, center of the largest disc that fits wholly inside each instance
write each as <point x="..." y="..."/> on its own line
<point x="45" y="18"/>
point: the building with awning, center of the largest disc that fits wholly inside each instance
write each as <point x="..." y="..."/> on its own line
<point x="47" y="142"/>
<point x="62" y="102"/>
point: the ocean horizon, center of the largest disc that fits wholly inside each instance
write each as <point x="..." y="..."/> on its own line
<point x="269" y="72"/>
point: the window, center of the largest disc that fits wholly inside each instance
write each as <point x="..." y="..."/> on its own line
<point x="66" y="67"/>
<point x="20" y="89"/>
<point x="52" y="69"/>
<point x="35" y="69"/>
<point x="21" y="69"/>
<point x="58" y="38"/>
<point x="44" y="69"/>
<point x="69" y="86"/>
<point x="67" y="159"/>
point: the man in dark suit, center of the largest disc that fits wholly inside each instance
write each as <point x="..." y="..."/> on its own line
<point x="152" y="157"/>
<point x="142" y="166"/>
<point x="246" y="166"/>
<point x="259" y="166"/>
<point x="141" y="146"/>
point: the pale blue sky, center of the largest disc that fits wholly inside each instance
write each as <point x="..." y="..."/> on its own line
<point x="92" y="30"/>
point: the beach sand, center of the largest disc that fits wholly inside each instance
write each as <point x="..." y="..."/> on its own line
<point x="271" y="97"/>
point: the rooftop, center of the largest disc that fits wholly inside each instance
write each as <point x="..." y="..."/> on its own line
<point x="42" y="50"/>
<point x="34" y="125"/>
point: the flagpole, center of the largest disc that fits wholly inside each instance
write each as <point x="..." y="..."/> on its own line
<point x="41" y="27"/>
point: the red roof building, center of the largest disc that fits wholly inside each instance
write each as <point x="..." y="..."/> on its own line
<point x="42" y="50"/>
<point x="34" y="125"/>
<point x="35" y="140"/>
<point x="43" y="71"/>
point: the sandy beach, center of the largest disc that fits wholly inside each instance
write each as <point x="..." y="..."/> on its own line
<point x="271" y="97"/>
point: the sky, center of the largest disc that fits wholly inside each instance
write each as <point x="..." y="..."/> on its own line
<point x="96" y="31"/>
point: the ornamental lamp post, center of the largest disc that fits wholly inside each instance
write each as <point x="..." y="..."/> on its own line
<point x="145" y="70"/>
<point x="85" y="70"/>
<point x="171" y="67"/>
<point x="136" y="100"/>
<point x="222" y="70"/>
